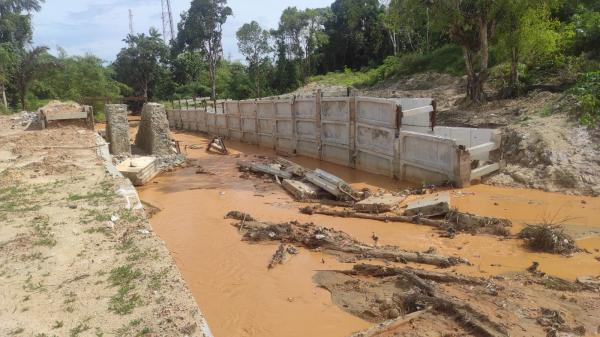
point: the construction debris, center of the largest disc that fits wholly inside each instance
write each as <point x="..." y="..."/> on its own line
<point x="117" y="129"/>
<point x="429" y="206"/>
<point x="281" y="255"/>
<point x="217" y="145"/>
<point x="329" y="240"/>
<point x="379" y="204"/>
<point x="301" y="190"/>
<point x="332" y="184"/>
<point x="549" y="238"/>
<point x="468" y="223"/>
<point x="139" y="170"/>
<point x="57" y="112"/>
<point x="274" y="170"/>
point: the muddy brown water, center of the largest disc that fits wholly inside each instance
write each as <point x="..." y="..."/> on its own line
<point x="240" y="297"/>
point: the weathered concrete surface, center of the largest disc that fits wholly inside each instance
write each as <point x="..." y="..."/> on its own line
<point x="139" y="170"/>
<point x="438" y="204"/>
<point x="154" y="136"/>
<point x="378" y="204"/>
<point x="301" y="190"/>
<point x="117" y="129"/>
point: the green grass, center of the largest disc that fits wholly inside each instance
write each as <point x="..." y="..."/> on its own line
<point x="43" y="232"/>
<point x="125" y="300"/>
<point x="447" y="59"/>
<point x="104" y="194"/>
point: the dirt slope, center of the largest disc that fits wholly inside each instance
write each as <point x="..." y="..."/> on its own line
<point x="74" y="259"/>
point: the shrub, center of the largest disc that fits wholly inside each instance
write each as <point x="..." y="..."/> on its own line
<point x="587" y="91"/>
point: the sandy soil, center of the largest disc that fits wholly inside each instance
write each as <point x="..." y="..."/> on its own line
<point x="75" y="260"/>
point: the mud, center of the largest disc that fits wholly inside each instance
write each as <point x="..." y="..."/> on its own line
<point x="241" y="297"/>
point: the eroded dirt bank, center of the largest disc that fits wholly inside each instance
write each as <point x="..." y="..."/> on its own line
<point x="75" y="259"/>
<point x="240" y="297"/>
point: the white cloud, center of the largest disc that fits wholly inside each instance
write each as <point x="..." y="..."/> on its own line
<point x="99" y="26"/>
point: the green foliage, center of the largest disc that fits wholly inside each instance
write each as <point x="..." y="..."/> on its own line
<point x="253" y="42"/>
<point x="140" y="64"/>
<point x="587" y="91"/>
<point x="586" y="28"/>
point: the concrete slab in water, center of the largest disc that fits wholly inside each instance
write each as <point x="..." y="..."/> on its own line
<point x="139" y="170"/>
<point x="437" y="204"/>
<point x="301" y="190"/>
<point x="378" y="204"/>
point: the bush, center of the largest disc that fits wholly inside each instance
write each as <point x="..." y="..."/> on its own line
<point x="587" y="91"/>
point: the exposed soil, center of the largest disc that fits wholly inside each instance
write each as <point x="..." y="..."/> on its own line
<point x="76" y="258"/>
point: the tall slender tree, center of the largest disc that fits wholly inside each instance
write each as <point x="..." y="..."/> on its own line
<point x="253" y="42"/>
<point x="201" y="29"/>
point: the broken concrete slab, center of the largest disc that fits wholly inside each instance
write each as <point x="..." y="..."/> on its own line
<point x="378" y="204"/>
<point x="117" y="129"/>
<point x="301" y="190"/>
<point x="589" y="281"/>
<point x="332" y="184"/>
<point x="436" y="205"/>
<point x="139" y="170"/>
<point x="273" y="170"/>
<point x="154" y="136"/>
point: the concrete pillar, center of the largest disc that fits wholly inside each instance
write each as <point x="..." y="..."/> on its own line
<point x="153" y="135"/>
<point x="117" y="128"/>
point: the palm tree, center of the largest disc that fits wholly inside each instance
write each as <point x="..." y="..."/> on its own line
<point x="31" y="65"/>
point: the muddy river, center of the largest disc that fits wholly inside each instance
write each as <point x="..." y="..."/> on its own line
<point x="240" y="297"/>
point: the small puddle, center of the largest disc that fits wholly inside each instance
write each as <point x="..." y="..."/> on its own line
<point x="240" y="297"/>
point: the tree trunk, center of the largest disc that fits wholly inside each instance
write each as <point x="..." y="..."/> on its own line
<point x="4" y="101"/>
<point x="513" y="84"/>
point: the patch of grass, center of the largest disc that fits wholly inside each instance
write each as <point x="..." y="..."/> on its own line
<point x="92" y="215"/>
<point x="104" y="230"/>
<point x="156" y="279"/>
<point x="76" y="331"/>
<point x="58" y="325"/>
<point x="30" y="286"/>
<point x="16" y="199"/>
<point x="70" y="298"/>
<point x="125" y="300"/>
<point x="126" y="330"/>
<point x="104" y="194"/>
<point x="42" y="231"/>
<point x="587" y="91"/>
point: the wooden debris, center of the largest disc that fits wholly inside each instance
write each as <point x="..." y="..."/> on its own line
<point x="312" y="237"/>
<point x="383" y="271"/>
<point x="382" y="328"/>
<point x="279" y="257"/>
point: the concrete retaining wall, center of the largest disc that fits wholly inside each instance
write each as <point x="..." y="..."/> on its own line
<point x="393" y="137"/>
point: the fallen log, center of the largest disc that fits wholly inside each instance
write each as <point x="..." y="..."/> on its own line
<point x="383" y="271"/>
<point x="455" y="221"/>
<point x="310" y="210"/>
<point x="313" y="237"/>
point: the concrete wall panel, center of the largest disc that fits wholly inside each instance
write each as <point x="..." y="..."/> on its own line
<point x="336" y="154"/>
<point x="308" y="148"/>
<point x="375" y="139"/>
<point x="306" y="129"/>
<point x="417" y="117"/>
<point x="305" y="108"/>
<point x="376" y="112"/>
<point x="375" y="163"/>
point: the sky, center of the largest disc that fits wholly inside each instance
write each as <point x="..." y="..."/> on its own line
<point x="99" y="26"/>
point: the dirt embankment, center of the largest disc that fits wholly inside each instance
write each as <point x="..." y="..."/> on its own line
<point x="76" y="257"/>
<point x="543" y="146"/>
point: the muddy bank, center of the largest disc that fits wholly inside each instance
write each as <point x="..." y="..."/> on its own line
<point x="76" y="257"/>
<point x="241" y="297"/>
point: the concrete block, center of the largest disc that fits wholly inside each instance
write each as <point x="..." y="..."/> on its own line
<point x="139" y="170"/>
<point x="117" y="129"/>
<point x="154" y="136"/>
<point x="301" y="190"/>
<point x="438" y="204"/>
<point x="378" y="204"/>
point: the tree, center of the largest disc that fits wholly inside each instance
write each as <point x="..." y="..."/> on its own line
<point x="15" y="26"/>
<point x="408" y="25"/>
<point x="527" y="33"/>
<point x="140" y="64"/>
<point x="201" y="29"/>
<point x="253" y="42"/>
<point x="470" y="24"/>
<point x="31" y="65"/>
<point x="7" y="64"/>
<point x="356" y="34"/>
